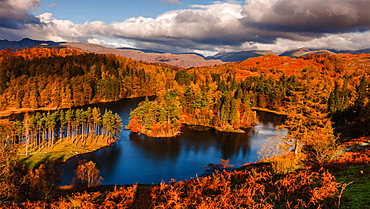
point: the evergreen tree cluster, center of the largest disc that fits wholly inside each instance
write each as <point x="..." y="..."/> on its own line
<point x="158" y="118"/>
<point x="45" y="129"/>
<point x="350" y="109"/>
<point x="266" y="92"/>
<point x="215" y="98"/>
<point x="204" y="99"/>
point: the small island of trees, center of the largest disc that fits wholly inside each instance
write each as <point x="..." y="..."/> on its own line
<point x="226" y="110"/>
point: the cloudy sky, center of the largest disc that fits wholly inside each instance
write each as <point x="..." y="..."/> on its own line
<point x="192" y="26"/>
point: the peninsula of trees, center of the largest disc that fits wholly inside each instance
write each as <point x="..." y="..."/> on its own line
<point x="44" y="130"/>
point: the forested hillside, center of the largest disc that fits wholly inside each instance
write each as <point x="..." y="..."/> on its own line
<point x="65" y="78"/>
<point x="325" y="98"/>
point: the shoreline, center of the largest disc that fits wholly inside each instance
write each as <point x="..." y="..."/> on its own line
<point x="238" y="130"/>
<point x="270" y="111"/>
<point x="9" y="111"/>
<point x="64" y="150"/>
<point x="12" y="111"/>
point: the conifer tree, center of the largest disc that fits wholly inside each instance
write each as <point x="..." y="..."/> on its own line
<point x="361" y="92"/>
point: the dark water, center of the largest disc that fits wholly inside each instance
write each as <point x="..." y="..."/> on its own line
<point x="138" y="159"/>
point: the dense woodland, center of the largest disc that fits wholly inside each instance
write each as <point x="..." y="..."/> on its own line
<point x="325" y="97"/>
<point x="204" y="100"/>
<point x="36" y="78"/>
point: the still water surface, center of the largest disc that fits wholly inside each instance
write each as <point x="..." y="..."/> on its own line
<point x="139" y="159"/>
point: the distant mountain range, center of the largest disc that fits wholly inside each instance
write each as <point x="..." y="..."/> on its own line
<point x="239" y="56"/>
<point x="179" y="60"/>
<point x="185" y="60"/>
<point x="243" y="55"/>
<point x="24" y="43"/>
<point x="305" y="51"/>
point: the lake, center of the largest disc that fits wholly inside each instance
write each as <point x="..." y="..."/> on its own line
<point x="139" y="159"/>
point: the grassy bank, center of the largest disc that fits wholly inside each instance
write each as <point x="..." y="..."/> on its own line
<point x="357" y="193"/>
<point x="354" y="170"/>
<point x="65" y="149"/>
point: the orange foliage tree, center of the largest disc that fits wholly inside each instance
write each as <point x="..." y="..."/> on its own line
<point x="87" y="174"/>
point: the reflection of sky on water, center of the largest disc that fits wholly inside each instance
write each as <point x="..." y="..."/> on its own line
<point x="261" y="135"/>
<point x="136" y="158"/>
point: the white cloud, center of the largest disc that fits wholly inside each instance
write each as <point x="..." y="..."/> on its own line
<point x="110" y="43"/>
<point x="222" y="26"/>
<point x="311" y="17"/>
<point x="58" y="30"/>
<point x="216" y="23"/>
<point x="22" y="5"/>
<point x="171" y="2"/>
<point x="344" y="41"/>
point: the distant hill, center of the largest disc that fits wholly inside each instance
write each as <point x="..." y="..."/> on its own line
<point x="239" y="56"/>
<point x="160" y="52"/>
<point x="243" y="55"/>
<point x="142" y="50"/>
<point x="180" y="60"/>
<point x="362" y="51"/>
<point x="305" y="51"/>
<point x="184" y="60"/>
<point x="25" y="43"/>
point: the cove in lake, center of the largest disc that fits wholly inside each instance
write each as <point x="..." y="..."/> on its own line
<point x="139" y="159"/>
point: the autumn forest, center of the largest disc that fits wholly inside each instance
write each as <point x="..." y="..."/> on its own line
<point x="325" y="98"/>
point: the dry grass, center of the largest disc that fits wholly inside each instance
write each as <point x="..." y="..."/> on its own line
<point x="65" y="149"/>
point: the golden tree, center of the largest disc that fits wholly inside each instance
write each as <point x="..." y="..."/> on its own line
<point x="88" y="174"/>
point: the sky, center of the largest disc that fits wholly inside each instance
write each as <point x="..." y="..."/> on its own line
<point x="205" y="27"/>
